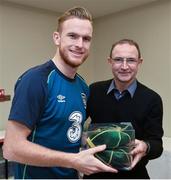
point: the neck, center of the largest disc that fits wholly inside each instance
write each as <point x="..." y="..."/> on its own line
<point x="121" y="86"/>
<point x="63" y="67"/>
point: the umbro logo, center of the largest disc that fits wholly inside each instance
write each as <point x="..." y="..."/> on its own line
<point x="61" y="98"/>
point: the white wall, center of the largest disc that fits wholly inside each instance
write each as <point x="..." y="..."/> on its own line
<point x="150" y="26"/>
<point x="160" y="168"/>
<point x="26" y="40"/>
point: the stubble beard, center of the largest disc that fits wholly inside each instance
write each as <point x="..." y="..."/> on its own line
<point x="73" y="64"/>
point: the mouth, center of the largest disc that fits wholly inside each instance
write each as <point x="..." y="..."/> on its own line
<point x="77" y="53"/>
<point x="124" y="73"/>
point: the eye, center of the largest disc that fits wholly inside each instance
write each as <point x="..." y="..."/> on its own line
<point x="131" y="60"/>
<point x="118" y="59"/>
<point x="72" y="36"/>
<point x="87" y="38"/>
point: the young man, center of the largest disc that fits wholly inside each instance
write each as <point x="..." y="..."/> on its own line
<point x="48" y="110"/>
<point x="124" y="99"/>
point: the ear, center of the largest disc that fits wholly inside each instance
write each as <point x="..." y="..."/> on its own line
<point x="109" y="60"/>
<point x="140" y="60"/>
<point x="56" y="38"/>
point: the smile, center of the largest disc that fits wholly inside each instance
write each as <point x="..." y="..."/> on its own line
<point x="76" y="53"/>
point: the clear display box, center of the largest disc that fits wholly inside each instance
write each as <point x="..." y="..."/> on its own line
<point x="119" y="139"/>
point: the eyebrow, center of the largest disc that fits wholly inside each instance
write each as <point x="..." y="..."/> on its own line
<point x="84" y="36"/>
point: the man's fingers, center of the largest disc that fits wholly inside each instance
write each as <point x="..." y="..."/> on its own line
<point x="136" y="141"/>
<point x="134" y="151"/>
<point x="110" y="169"/>
<point x="136" y="159"/>
<point x="97" y="149"/>
<point x="106" y="168"/>
<point x="134" y="162"/>
<point x="99" y="166"/>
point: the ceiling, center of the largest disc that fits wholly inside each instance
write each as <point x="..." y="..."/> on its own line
<point x="98" y="8"/>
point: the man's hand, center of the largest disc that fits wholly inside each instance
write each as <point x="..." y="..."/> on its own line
<point x="138" y="152"/>
<point x="86" y="163"/>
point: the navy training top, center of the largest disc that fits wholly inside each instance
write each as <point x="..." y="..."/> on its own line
<point x="53" y="107"/>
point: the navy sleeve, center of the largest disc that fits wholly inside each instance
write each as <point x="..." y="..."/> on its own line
<point x="29" y="98"/>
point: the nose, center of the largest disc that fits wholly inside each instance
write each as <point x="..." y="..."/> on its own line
<point x="79" y="42"/>
<point x="124" y="64"/>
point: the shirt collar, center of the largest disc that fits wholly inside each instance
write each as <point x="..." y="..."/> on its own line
<point x="131" y="89"/>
